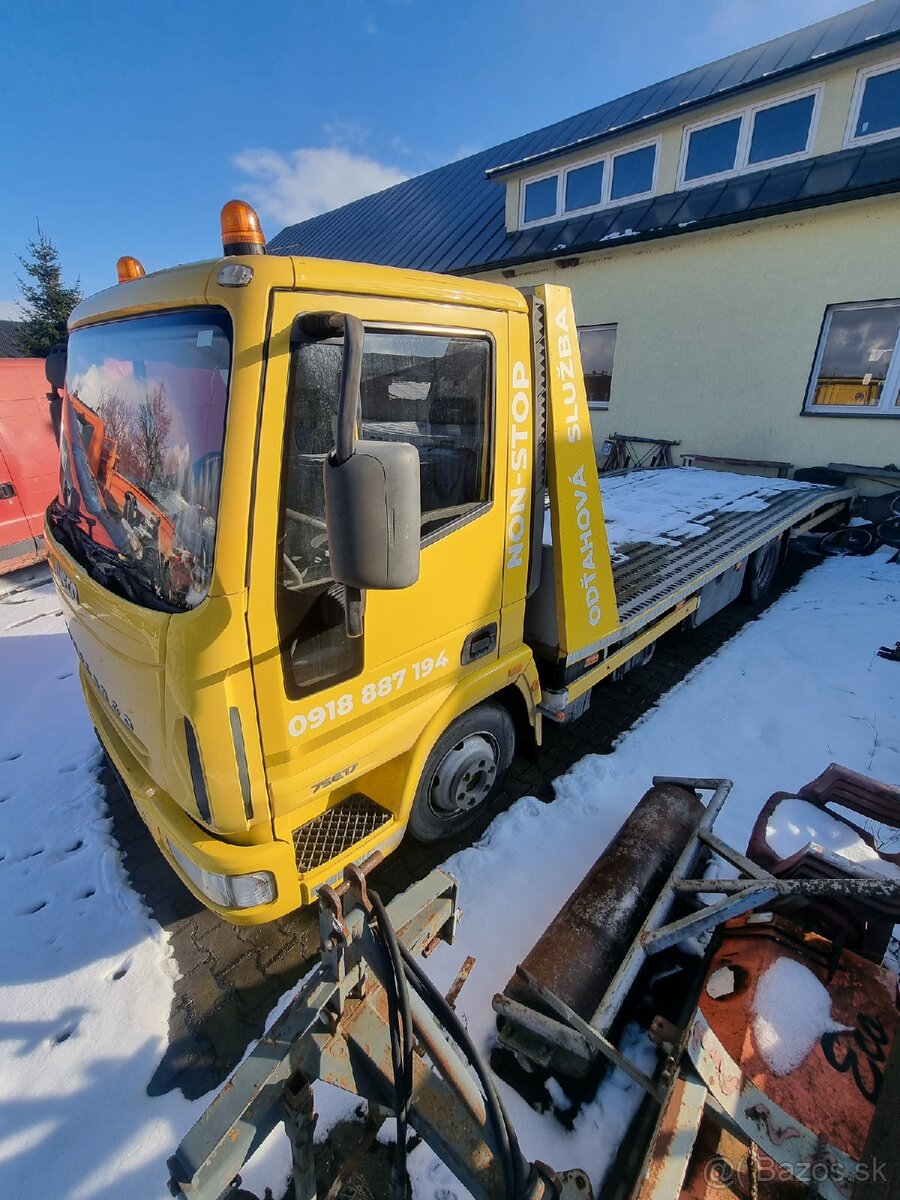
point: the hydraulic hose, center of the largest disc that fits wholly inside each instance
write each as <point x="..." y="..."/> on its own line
<point x="507" y="1142"/>
<point x="401" y="1034"/>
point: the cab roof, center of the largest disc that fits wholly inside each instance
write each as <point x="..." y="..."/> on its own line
<point x="197" y="284"/>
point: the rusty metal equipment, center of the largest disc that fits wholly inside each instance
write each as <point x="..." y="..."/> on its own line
<point x="639" y="898"/>
<point x="730" y="1124"/>
<point x="711" y="1104"/>
<point x="339" y="1029"/>
<point x="369" y="1021"/>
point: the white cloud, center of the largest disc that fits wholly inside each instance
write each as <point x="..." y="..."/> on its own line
<point x="9" y="310"/>
<point x="302" y="183"/>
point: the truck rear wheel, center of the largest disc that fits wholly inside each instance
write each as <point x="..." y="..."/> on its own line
<point x="463" y="773"/>
<point x="761" y="570"/>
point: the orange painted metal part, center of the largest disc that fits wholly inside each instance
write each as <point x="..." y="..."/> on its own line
<point x="835" y="1088"/>
<point x="29" y="461"/>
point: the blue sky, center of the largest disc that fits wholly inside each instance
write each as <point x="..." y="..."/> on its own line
<point x="127" y="125"/>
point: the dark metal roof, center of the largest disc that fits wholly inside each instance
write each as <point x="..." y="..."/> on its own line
<point x="453" y="219"/>
<point x="8" y="344"/>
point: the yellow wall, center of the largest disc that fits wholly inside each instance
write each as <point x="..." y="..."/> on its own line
<point x="717" y="331"/>
<point x="838" y="79"/>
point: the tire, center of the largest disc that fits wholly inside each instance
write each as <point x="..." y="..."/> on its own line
<point x="854" y="539"/>
<point x="761" y="570"/>
<point x="889" y="532"/>
<point x="463" y="773"/>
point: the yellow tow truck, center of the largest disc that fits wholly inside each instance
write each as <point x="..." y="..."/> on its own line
<point x="330" y="545"/>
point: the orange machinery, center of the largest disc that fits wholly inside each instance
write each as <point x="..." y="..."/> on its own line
<point x="29" y="461"/>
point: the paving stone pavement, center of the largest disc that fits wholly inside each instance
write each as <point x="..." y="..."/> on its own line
<point x="232" y="977"/>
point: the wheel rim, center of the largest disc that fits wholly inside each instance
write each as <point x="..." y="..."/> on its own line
<point x="464" y="777"/>
<point x="765" y="570"/>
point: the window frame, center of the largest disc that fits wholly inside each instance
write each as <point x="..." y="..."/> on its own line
<point x="608" y="159"/>
<point x="747" y="116"/>
<point x="598" y="405"/>
<point x="889" y="404"/>
<point x="859" y="90"/>
<point x="538" y="179"/>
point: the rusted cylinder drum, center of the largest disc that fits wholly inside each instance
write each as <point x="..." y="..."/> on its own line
<point x="580" y="951"/>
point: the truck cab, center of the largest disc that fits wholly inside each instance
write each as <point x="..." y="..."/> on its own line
<point x="264" y="740"/>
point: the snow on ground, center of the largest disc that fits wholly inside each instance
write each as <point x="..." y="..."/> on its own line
<point x="665" y="507"/>
<point x="81" y="1039"/>
<point x="87" y="980"/>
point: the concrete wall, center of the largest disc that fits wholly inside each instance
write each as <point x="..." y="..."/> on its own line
<point x="717" y="331"/>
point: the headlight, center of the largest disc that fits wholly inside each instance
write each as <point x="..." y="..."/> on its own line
<point x="229" y="891"/>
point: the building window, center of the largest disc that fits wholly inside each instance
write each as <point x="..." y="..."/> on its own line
<point x="781" y="131"/>
<point x="765" y="133"/>
<point x="610" y="179"/>
<point x="598" y="347"/>
<point x="633" y="173"/>
<point x="857" y="368"/>
<point x="875" y="112"/>
<point x="540" y="199"/>
<point x="713" y="150"/>
<point x="584" y="186"/>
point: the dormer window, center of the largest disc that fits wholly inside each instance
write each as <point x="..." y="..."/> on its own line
<point x="875" y="112"/>
<point x="541" y="199"/>
<point x="775" y="132"/>
<point x="609" y="179"/>
<point x="584" y="186"/>
<point x="633" y="173"/>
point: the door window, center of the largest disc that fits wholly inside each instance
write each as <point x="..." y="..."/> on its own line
<point x="431" y="390"/>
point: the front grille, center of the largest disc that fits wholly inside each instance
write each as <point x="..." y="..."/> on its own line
<point x="328" y="835"/>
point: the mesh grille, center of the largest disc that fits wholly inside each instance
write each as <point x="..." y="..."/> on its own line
<point x="326" y="836"/>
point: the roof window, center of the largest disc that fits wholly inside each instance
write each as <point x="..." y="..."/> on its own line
<point x="875" y="111"/>
<point x="602" y="181"/>
<point x="773" y="132"/>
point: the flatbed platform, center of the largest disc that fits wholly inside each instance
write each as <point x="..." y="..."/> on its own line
<point x="671" y="530"/>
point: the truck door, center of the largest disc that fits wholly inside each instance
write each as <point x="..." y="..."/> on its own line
<point x="334" y="709"/>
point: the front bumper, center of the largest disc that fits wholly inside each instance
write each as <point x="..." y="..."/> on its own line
<point x="169" y="825"/>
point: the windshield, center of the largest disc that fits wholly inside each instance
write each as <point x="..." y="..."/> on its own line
<point x="142" y="431"/>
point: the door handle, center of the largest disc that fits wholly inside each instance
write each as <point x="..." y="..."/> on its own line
<point x="7" y="491"/>
<point x="479" y="643"/>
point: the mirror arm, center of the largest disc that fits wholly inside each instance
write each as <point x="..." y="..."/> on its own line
<point x="335" y="324"/>
<point x="351" y="373"/>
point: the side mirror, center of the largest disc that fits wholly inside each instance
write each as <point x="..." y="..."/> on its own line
<point x="373" y="508"/>
<point x="55" y="366"/>
<point x="373" y="516"/>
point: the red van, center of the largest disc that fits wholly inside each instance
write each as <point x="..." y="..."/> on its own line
<point x="29" y="461"/>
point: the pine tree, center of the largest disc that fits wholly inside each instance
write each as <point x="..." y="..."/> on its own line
<point x="46" y="302"/>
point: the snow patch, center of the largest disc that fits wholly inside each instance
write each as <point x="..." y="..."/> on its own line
<point x="791" y="1011"/>
<point x="670" y="505"/>
<point x="795" y="824"/>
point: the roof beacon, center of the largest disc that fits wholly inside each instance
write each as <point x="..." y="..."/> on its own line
<point x="128" y="268"/>
<point x="241" y="231"/>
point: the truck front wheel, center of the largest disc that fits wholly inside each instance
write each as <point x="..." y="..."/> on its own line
<point x="463" y="773"/>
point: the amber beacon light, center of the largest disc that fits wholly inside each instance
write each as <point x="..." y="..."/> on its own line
<point x="241" y="231"/>
<point x="128" y="268"/>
